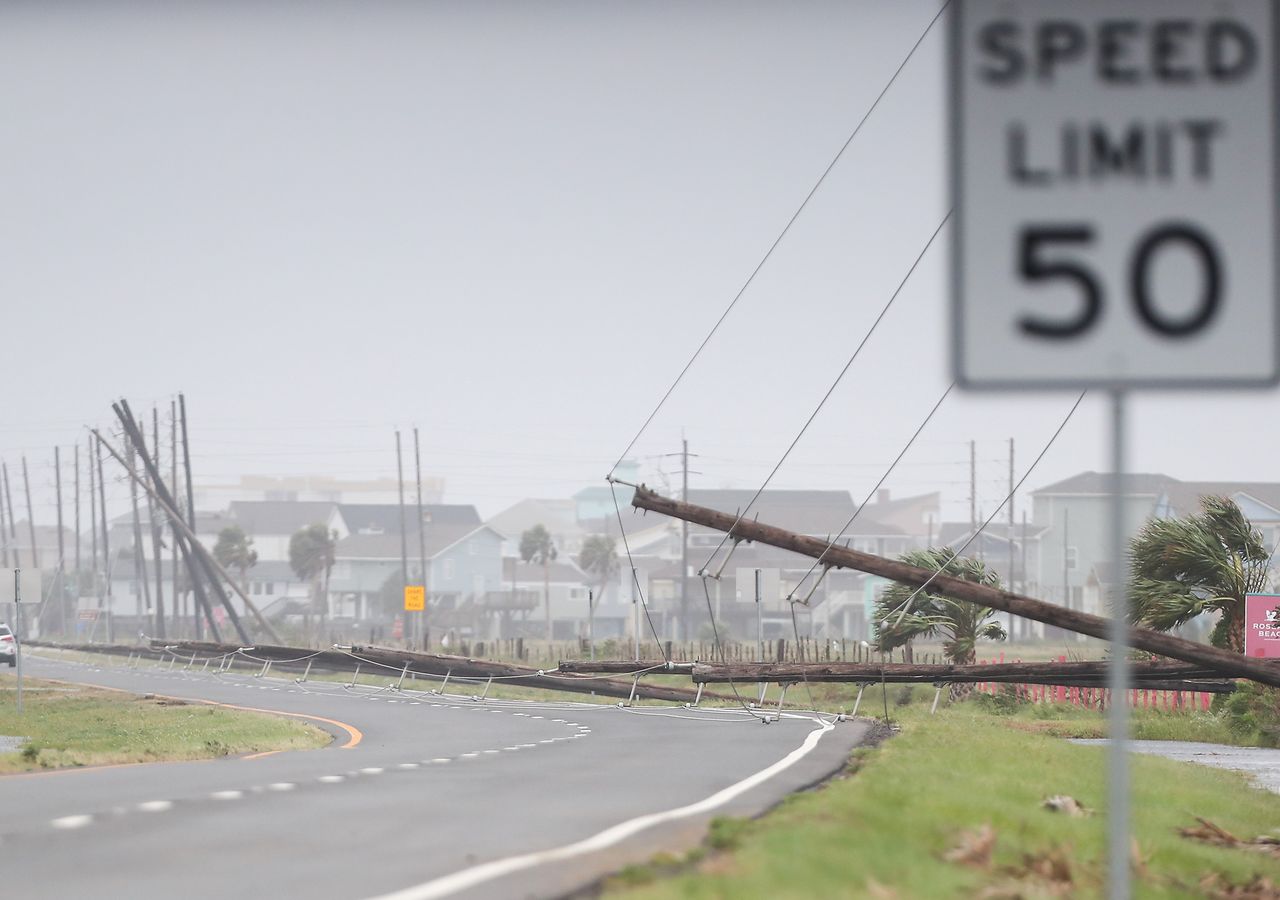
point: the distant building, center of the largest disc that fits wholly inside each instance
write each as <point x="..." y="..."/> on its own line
<point x="311" y="488"/>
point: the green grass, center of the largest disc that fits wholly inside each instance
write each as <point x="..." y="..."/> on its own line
<point x="883" y="831"/>
<point x="73" y="725"/>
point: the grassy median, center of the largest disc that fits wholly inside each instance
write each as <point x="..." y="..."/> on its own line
<point x="67" y="725"/>
<point x="954" y="807"/>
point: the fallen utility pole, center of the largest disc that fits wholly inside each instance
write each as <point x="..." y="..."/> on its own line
<point x="623" y="667"/>
<point x="1071" y="674"/>
<point x="1220" y="662"/>
<point x="390" y="662"/>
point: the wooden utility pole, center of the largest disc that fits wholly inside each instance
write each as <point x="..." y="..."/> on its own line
<point x="1012" y="581"/>
<point x="13" y="524"/>
<point x="196" y="589"/>
<point x="1219" y="661"/>
<point x="75" y="459"/>
<point x="217" y="576"/>
<point x="179" y="600"/>
<point x="141" y="587"/>
<point x="93" y="525"/>
<point x="685" y="632"/>
<point x="973" y="487"/>
<point x="31" y="517"/>
<point x="423" y="622"/>
<point x="106" y="543"/>
<point x="404" y="545"/>
<point x="60" y="573"/>
<point x="188" y="551"/>
<point x="4" y="531"/>
<point x="157" y="542"/>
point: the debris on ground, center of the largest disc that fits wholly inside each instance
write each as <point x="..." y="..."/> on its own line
<point x="1069" y="805"/>
<point x="973" y="848"/>
<point x="1209" y="833"/>
<point x="1216" y="887"/>
<point x="1048" y="873"/>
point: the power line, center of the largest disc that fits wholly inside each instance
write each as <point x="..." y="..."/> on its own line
<point x="778" y="240"/>
<point x="827" y="396"/>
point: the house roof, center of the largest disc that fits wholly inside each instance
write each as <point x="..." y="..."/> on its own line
<point x="384" y="518"/>
<point x="1184" y="496"/>
<point x="955" y="532"/>
<point x="1142" y="483"/>
<point x="387" y="546"/>
<point x="278" y="516"/>
<point x="559" y="516"/>
<point x="560" y="571"/>
<point x="806" y="512"/>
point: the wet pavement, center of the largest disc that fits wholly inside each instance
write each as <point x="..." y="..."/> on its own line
<point x="1260" y="764"/>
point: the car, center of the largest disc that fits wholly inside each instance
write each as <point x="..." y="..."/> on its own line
<point x="8" y="646"/>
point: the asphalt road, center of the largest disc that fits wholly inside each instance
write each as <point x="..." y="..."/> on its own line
<point x="418" y="796"/>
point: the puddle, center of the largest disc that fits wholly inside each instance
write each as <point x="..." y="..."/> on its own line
<point x="1260" y="764"/>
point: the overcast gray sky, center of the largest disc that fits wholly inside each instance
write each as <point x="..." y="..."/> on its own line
<point x="509" y="224"/>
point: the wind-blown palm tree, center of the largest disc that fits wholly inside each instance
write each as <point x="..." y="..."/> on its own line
<point x="536" y="546"/>
<point x="234" y="550"/>
<point x="1204" y="562"/>
<point x="311" y="556"/>
<point x="599" y="557"/>
<point x="901" y="617"/>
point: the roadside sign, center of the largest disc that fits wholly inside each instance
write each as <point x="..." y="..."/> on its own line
<point x="87" y="615"/>
<point x="1262" y="626"/>
<point x="1115" y="181"/>
<point x="415" y="598"/>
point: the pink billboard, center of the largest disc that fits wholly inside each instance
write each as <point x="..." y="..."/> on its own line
<point x="1262" y="625"/>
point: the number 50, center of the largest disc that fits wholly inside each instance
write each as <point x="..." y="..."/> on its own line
<point x="1034" y="242"/>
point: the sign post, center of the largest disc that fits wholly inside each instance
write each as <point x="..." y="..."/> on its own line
<point x="415" y="598"/>
<point x="17" y="630"/>
<point x="1114" y="174"/>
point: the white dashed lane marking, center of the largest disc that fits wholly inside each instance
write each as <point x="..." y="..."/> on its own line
<point x="227" y="795"/>
<point x="155" y="805"/>
<point x="68" y="822"/>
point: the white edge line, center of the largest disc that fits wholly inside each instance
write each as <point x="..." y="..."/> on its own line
<point x="468" y="878"/>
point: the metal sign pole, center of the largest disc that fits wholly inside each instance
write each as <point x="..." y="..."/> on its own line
<point x="1118" y="671"/>
<point x="17" y="630"/>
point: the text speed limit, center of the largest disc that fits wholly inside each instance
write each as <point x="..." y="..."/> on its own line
<point x="1115" y="179"/>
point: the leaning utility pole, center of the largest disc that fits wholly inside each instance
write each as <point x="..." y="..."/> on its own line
<point x="423" y="634"/>
<point x="157" y="543"/>
<point x="31" y="517"/>
<point x="196" y="588"/>
<point x="836" y="556"/>
<point x="59" y="575"/>
<point x="404" y="543"/>
<point x="212" y="570"/>
<point x="141" y="587"/>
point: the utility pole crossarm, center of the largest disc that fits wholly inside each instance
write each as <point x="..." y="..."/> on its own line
<point x="1220" y="661"/>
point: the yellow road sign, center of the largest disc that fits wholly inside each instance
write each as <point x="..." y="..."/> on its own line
<point x="415" y="598"/>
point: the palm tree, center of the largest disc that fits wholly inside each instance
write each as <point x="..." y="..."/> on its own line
<point x="536" y="546"/>
<point x="1204" y="562"/>
<point x="903" y="614"/>
<point x="311" y="556"/>
<point x="234" y="550"/>
<point x="599" y="557"/>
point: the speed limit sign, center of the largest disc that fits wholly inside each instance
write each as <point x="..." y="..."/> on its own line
<point x="1115" y="181"/>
